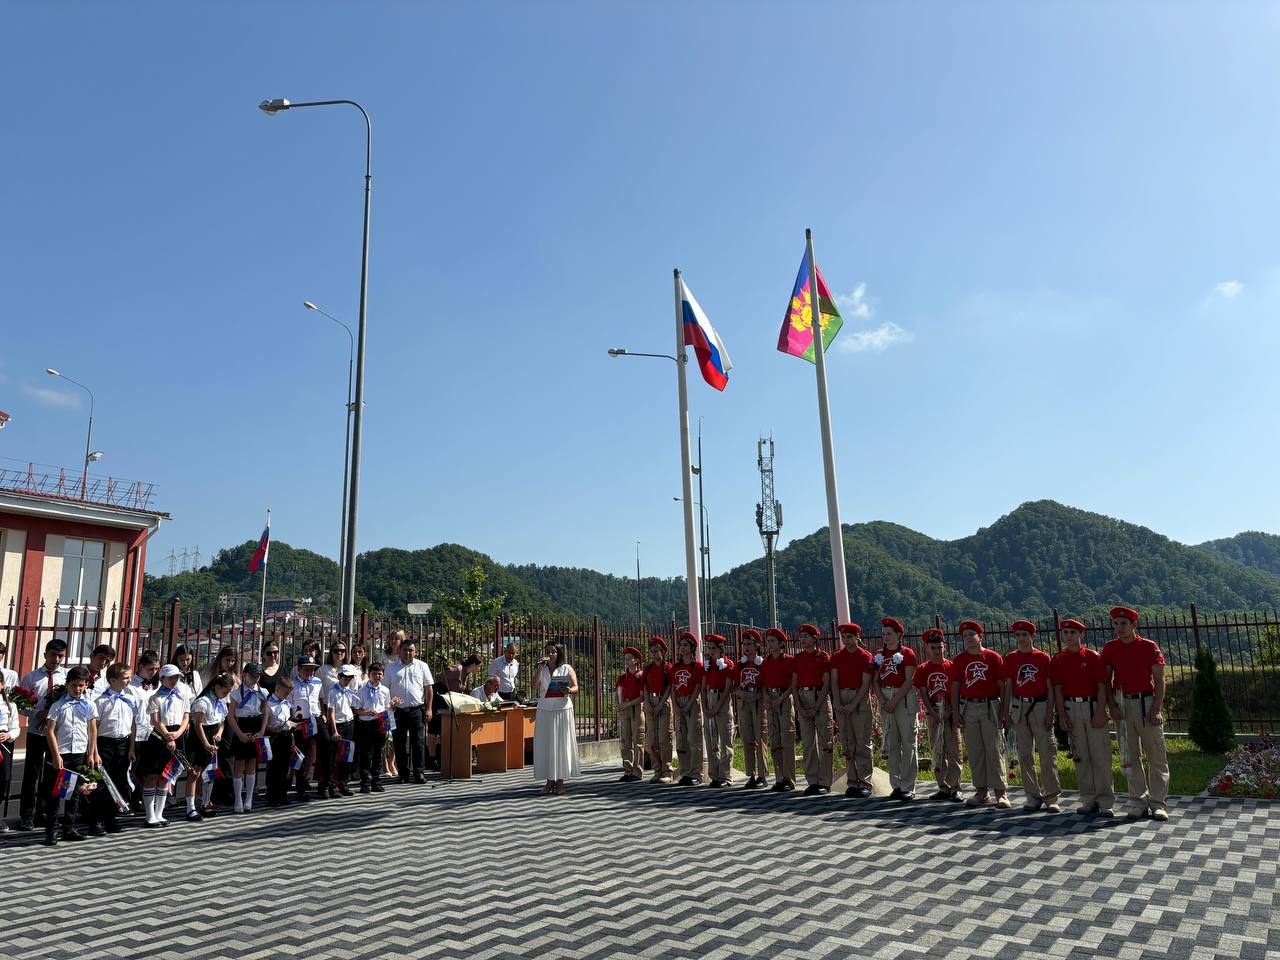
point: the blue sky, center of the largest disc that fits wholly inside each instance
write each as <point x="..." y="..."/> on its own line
<point x="1051" y="226"/>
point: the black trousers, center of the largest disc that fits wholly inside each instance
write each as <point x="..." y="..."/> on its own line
<point x="114" y="755"/>
<point x="71" y="809"/>
<point x="323" y="755"/>
<point x="32" y="772"/>
<point x="408" y="735"/>
<point x="369" y="740"/>
<point x="278" y="766"/>
<point x="341" y="772"/>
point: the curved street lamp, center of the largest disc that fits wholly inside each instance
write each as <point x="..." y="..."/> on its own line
<point x="88" y="440"/>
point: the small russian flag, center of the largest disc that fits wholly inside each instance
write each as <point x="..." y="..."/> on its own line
<point x="386" y="721"/>
<point x="346" y="751"/>
<point x="298" y="760"/>
<point x="172" y="770"/>
<point x="307" y="728"/>
<point x="212" y="772"/>
<point x="64" y="784"/>
<point x="264" y="749"/>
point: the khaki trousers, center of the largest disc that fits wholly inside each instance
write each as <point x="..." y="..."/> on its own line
<point x="658" y="734"/>
<point x="944" y="745"/>
<point x="751" y="727"/>
<point x="899" y="727"/>
<point x="781" y="729"/>
<point x="1149" y="787"/>
<point x="689" y="736"/>
<point x="718" y="733"/>
<point x="631" y="733"/>
<point x="984" y="740"/>
<point x="815" y="738"/>
<point x="855" y="739"/>
<point x="1033" y="738"/>
<point x="1092" y="756"/>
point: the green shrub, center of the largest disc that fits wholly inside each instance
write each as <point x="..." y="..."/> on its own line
<point x="1209" y="725"/>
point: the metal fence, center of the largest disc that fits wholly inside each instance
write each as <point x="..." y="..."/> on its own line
<point x="1246" y="647"/>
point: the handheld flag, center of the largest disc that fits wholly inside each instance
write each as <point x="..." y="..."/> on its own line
<point x="346" y="751"/>
<point x="264" y="749"/>
<point x="307" y="728"/>
<point x="713" y="359"/>
<point x="259" y="558"/>
<point x="64" y="784"/>
<point x="298" y="759"/>
<point x="172" y="770"/>
<point x="796" y="337"/>
<point x="212" y="772"/>
<point x="386" y="722"/>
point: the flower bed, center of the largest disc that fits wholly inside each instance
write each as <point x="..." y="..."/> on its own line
<point x="1252" y="770"/>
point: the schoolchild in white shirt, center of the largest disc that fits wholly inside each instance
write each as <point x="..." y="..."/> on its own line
<point x="208" y="720"/>
<point x="71" y="732"/>
<point x="308" y="706"/>
<point x="280" y="734"/>
<point x="169" y="717"/>
<point x="342" y="700"/>
<point x="119" y="713"/>
<point x="247" y="721"/>
<point x="375" y="699"/>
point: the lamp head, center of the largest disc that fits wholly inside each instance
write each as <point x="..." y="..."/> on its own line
<point x="4" y="418"/>
<point x="52" y="372"/>
<point x="273" y="106"/>
<point x="617" y="352"/>
<point x="94" y="457"/>
<point x="309" y="305"/>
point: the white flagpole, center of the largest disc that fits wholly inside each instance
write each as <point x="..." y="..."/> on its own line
<point x="838" y="575"/>
<point x="262" y="610"/>
<point x="686" y="479"/>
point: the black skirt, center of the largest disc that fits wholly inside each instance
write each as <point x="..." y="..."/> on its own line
<point x="196" y="752"/>
<point x="155" y="754"/>
<point x="240" y="750"/>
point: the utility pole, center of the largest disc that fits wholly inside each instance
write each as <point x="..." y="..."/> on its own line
<point x="639" y="595"/>
<point x="769" y="522"/>
<point x="704" y="558"/>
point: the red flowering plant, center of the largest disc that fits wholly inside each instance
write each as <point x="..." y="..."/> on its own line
<point x="24" y="698"/>
<point x="1252" y="770"/>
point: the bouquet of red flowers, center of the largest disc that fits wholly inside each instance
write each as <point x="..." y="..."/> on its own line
<point x="24" y="698"/>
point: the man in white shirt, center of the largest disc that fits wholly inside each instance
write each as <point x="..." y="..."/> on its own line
<point x="40" y="681"/>
<point x="410" y="682"/>
<point x="488" y="693"/>
<point x="506" y="669"/>
<point x="102" y="657"/>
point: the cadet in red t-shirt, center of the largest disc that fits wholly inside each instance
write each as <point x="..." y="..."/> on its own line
<point x="1136" y="668"/>
<point x="749" y="696"/>
<point x="895" y="666"/>
<point x="810" y="686"/>
<point x="631" y="716"/>
<point x="1080" y="694"/>
<point x="686" y="684"/>
<point x="775" y="677"/>
<point x="933" y="686"/>
<point x="1027" y="707"/>
<point x="657" y="710"/>
<point x="717" y="699"/>
<point x="851" y="673"/>
<point x="975" y="699"/>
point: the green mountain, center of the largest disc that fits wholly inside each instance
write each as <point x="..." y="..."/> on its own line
<point x="1260" y="551"/>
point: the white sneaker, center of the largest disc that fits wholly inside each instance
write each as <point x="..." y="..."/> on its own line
<point x="1159" y="813"/>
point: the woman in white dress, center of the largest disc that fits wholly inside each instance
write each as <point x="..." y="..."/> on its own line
<point x="555" y="734"/>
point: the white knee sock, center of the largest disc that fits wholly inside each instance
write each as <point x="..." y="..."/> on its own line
<point x="155" y="805"/>
<point x="250" y="779"/>
<point x="191" y="803"/>
<point x="237" y="785"/>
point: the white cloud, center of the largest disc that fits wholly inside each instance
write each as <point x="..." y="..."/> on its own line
<point x="855" y="304"/>
<point x="52" y="398"/>
<point x="881" y="338"/>
<point x="1230" y="289"/>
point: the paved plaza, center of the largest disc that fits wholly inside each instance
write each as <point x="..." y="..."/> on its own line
<point x="491" y="869"/>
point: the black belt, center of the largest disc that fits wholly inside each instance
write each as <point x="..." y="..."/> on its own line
<point x="778" y="689"/>
<point x="978" y="699"/>
<point x="403" y="709"/>
<point x="124" y="739"/>
<point x="1081" y="699"/>
<point x="1139" y="696"/>
<point x="1033" y="699"/>
<point x="818" y="687"/>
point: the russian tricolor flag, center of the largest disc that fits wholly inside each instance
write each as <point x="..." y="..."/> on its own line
<point x="713" y="359"/>
<point x="298" y="760"/>
<point x="308" y="728"/>
<point x="386" y="721"/>
<point x="64" y="784"/>
<point x="346" y="751"/>
<point x="264" y="749"/>
<point x="259" y="558"/>
<point x="212" y="772"/>
<point x="172" y="770"/>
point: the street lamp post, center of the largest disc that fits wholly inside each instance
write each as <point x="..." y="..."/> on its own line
<point x="705" y="552"/>
<point x="346" y="459"/>
<point x="272" y="107"/>
<point x="88" y="440"/>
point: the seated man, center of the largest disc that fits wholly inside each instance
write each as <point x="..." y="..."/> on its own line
<point x="488" y="693"/>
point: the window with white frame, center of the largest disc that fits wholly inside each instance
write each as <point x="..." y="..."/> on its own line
<point x="80" y="596"/>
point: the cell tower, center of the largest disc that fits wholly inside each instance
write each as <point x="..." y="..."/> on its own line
<point x="769" y="522"/>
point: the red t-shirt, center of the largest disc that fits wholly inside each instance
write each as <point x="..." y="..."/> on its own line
<point x="775" y="672"/>
<point x="1029" y="672"/>
<point x="750" y="674"/>
<point x="851" y="666"/>
<point x="1078" y="674"/>
<point x="686" y="677"/>
<point x="977" y="676"/>
<point x="1132" y="663"/>
<point x="809" y="667"/>
<point x="895" y="674"/>
<point x="717" y="679"/>
<point x="933" y="680"/>
<point x="657" y="677"/>
<point x="630" y="684"/>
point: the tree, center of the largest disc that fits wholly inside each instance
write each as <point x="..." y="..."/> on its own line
<point x="467" y="612"/>
<point x="1267" y="647"/>
<point x="1210" y="724"/>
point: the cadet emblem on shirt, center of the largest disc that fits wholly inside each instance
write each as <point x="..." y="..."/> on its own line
<point x="937" y="683"/>
<point x="683" y="676"/>
<point x="1027" y="673"/>
<point x="975" y="672"/>
<point x="888" y="669"/>
<point x="750" y="676"/>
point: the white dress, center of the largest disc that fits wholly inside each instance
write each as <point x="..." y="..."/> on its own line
<point x="555" y="736"/>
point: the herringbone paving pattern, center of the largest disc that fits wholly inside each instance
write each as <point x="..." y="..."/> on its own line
<point x="492" y="869"/>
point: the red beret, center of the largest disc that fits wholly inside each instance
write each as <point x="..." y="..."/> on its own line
<point x="658" y="641"/>
<point x="688" y="635"/>
<point x="1026" y="625"/>
<point x="714" y="638"/>
<point x="1124" y="612"/>
<point x="850" y="628"/>
<point x="1071" y="625"/>
<point x="893" y="624"/>
<point x="973" y="625"/>
<point x="775" y="632"/>
<point x="933" y="633"/>
<point x="810" y="629"/>
<point x="633" y="651"/>
<point x="751" y="633"/>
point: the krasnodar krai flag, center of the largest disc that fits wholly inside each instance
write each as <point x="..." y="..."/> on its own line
<point x="259" y="558"/>
<point x="713" y="359"/>
<point x="796" y="337"/>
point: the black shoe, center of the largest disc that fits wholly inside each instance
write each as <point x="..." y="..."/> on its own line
<point x="850" y="791"/>
<point x="97" y="830"/>
<point x="322" y="793"/>
<point x="40" y="820"/>
<point x="956" y="797"/>
<point x="940" y="796"/>
<point x="404" y="778"/>
<point x="907" y="797"/>
<point x="113" y="827"/>
<point x="778" y="787"/>
<point x="697" y="780"/>
<point x="73" y="834"/>
<point x="788" y="785"/>
<point x="864" y="793"/>
<point x="812" y="790"/>
<point x="822" y="790"/>
<point x="686" y="782"/>
<point x="376" y="787"/>
<point x="50" y="840"/>
<point x="419" y="778"/>
<point x="344" y="790"/>
<point x="365" y="788"/>
<point x="753" y="784"/>
<point x="26" y="825"/>
<point x="896" y="794"/>
<point x="194" y="816"/>
<point x="298" y="797"/>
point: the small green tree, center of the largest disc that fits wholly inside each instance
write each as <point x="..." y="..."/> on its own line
<point x="469" y="612"/>
<point x="1266" y="647"/>
<point x="1210" y="725"/>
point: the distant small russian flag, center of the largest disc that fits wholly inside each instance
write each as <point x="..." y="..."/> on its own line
<point x="346" y="751"/>
<point x="212" y="772"/>
<point x="64" y="783"/>
<point x="307" y="727"/>
<point x="259" y="558"/>
<point x="172" y="770"/>
<point x="386" y="721"/>
<point x="298" y="760"/>
<point x="264" y="749"/>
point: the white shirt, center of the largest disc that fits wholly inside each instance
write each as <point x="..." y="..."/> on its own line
<point x="192" y="689"/>
<point x="306" y="698"/>
<point x="374" y="698"/>
<point x="70" y="718"/>
<point x="9" y="719"/>
<point x="170" y="705"/>
<point x="37" y="681"/>
<point x="328" y="677"/>
<point x="117" y="713"/>
<point x="101" y="683"/>
<point x="483" y="697"/>
<point x="407" y="680"/>
<point x="143" y="695"/>
<point x="10" y="677"/>
<point x="278" y="714"/>
<point x="342" y="701"/>
<point x="506" y="671"/>
<point x="248" y="701"/>
<point x="214" y="710"/>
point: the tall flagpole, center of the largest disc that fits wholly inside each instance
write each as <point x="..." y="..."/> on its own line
<point x="838" y="575"/>
<point x="262" y="610"/>
<point x="686" y="478"/>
